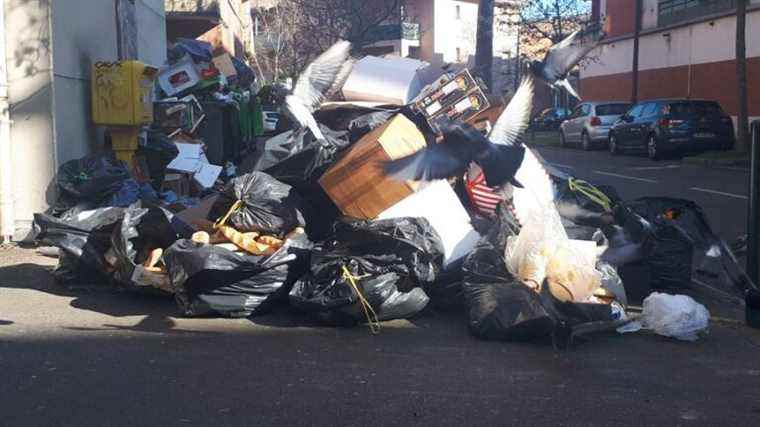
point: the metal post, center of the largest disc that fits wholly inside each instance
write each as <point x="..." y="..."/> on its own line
<point x="635" y="67"/>
<point x="753" y="220"/>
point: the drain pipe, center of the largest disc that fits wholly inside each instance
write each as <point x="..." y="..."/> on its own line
<point x="7" y="228"/>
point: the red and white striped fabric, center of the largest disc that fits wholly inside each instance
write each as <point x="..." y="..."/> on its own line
<point x="483" y="197"/>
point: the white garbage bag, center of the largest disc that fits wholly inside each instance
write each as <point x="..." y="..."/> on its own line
<point x="677" y="316"/>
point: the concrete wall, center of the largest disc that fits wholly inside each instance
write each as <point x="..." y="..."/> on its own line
<point x="29" y="56"/>
<point x="151" y="31"/>
<point x="695" y="60"/>
<point x="50" y="49"/>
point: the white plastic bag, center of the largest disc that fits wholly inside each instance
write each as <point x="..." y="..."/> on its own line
<point x="677" y="316"/>
<point x="542" y="250"/>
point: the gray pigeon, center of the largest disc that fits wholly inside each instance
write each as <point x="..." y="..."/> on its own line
<point x="562" y="58"/>
<point x="499" y="155"/>
<point x="321" y="79"/>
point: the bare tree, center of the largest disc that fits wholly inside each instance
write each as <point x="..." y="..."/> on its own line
<point x="293" y="32"/>
<point x="742" y="136"/>
<point x="544" y="23"/>
<point x="274" y="51"/>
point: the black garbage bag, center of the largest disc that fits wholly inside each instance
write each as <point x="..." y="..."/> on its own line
<point x="356" y="120"/>
<point x="267" y="205"/>
<point x="211" y="280"/>
<point x="383" y="263"/>
<point x="299" y="160"/>
<point x="89" y="182"/>
<point x="500" y="307"/>
<point x="692" y="253"/>
<point x="84" y="239"/>
<point x="583" y="203"/>
<point x="144" y="228"/>
<point x="158" y="151"/>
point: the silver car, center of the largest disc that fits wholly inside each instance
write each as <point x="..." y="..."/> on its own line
<point x="589" y="124"/>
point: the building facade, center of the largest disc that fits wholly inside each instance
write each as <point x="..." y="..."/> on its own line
<point x="444" y="32"/>
<point x="50" y="47"/>
<point x="686" y="49"/>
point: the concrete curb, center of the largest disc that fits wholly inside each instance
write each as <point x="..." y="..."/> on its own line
<point x="717" y="163"/>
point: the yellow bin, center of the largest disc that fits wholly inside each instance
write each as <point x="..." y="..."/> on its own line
<point x="122" y="100"/>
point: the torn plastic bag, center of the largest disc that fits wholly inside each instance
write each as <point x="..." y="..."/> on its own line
<point x="266" y="205"/>
<point x="209" y="280"/>
<point x="143" y="229"/>
<point x="500" y="307"/>
<point x="299" y="160"/>
<point x="84" y="239"/>
<point x="384" y="263"/>
<point x="711" y="262"/>
<point x="88" y="182"/>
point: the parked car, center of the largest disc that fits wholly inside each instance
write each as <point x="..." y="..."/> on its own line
<point x="550" y="119"/>
<point x="669" y="126"/>
<point x="270" y="120"/>
<point x="589" y="124"/>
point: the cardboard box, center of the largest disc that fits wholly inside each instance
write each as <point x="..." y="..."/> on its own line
<point x="464" y="109"/>
<point x="439" y="204"/>
<point x="179" y="77"/>
<point x="448" y="93"/>
<point x="357" y="183"/>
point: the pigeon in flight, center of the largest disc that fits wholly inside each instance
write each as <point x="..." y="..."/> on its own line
<point x="500" y="156"/>
<point x="322" y="78"/>
<point x="562" y="58"/>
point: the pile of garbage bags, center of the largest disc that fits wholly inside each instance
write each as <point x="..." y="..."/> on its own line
<point x="315" y="226"/>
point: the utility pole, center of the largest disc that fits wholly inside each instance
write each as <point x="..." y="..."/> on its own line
<point x="126" y="30"/>
<point x="636" y="36"/>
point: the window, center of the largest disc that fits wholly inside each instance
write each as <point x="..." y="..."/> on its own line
<point x="578" y="112"/>
<point x="650" y="109"/>
<point x="612" y="109"/>
<point x="458" y="12"/>
<point x="636" y="110"/>
<point x="674" y="11"/>
<point x="586" y="111"/>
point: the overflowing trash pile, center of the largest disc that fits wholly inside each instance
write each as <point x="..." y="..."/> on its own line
<point x="384" y="196"/>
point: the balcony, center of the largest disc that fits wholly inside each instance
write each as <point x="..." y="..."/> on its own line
<point x="389" y="32"/>
<point x="675" y="11"/>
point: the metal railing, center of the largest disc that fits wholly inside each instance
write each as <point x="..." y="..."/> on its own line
<point x="403" y="31"/>
<point x="675" y="11"/>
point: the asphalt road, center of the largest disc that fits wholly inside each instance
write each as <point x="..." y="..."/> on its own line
<point x="722" y="192"/>
<point x="92" y="356"/>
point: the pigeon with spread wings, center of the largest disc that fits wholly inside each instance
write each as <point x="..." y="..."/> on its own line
<point x="323" y="77"/>
<point x="499" y="157"/>
<point x="564" y="56"/>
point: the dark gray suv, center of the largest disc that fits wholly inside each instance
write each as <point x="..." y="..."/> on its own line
<point x="666" y="126"/>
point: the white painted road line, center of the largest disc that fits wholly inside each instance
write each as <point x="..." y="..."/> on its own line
<point x="720" y="193"/>
<point x="633" y="178"/>
<point x="654" y="168"/>
<point x="560" y="165"/>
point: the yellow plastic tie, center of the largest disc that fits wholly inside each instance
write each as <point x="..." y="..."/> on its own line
<point x="223" y="220"/>
<point x="594" y="194"/>
<point x="369" y="312"/>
